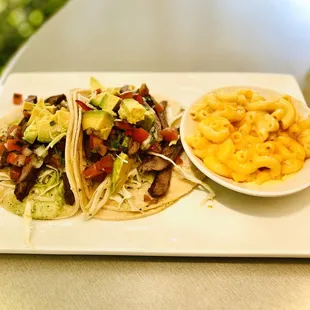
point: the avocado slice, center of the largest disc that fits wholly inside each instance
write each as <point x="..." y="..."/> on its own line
<point x="132" y="111"/>
<point x="96" y="100"/>
<point x="149" y="119"/>
<point x="31" y="133"/>
<point x="108" y="102"/>
<point x="44" y="131"/>
<point x="121" y="169"/>
<point x="95" y="84"/>
<point x="62" y="118"/>
<point x="29" y="106"/>
<point x="99" y="120"/>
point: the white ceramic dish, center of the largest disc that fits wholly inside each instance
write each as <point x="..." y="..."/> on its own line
<point x="236" y="225"/>
<point x="289" y="185"/>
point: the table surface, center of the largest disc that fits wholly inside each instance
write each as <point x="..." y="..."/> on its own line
<point x="164" y="35"/>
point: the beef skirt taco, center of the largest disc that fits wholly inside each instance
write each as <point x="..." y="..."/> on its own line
<point x="130" y="160"/>
<point x="36" y="171"/>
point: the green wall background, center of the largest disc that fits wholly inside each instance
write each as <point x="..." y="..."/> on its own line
<point x="19" y="19"/>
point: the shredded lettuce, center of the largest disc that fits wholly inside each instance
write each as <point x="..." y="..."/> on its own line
<point x="187" y="175"/>
<point x="43" y="152"/>
<point x="99" y="198"/>
<point x="5" y="180"/>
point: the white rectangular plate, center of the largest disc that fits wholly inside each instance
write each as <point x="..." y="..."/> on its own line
<point x="236" y="225"/>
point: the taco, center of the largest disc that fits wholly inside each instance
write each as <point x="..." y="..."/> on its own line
<point x="130" y="160"/>
<point x="36" y="171"/>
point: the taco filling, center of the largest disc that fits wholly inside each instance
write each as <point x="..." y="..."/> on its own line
<point x="32" y="159"/>
<point x="123" y="129"/>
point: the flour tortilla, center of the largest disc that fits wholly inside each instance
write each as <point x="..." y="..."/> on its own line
<point x="7" y="196"/>
<point x="137" y="207"/>
<point x="179" y="187"/>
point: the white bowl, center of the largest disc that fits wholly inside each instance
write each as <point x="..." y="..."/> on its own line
<point x="288" y="185"/>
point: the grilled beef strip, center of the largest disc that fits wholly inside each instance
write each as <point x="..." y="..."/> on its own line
<point x="24" y="186"/>
<point x="31" y="98"/>
<point x="161" y="182"/>
<point x="68" y="194"/>
<point x="56" y="100"/>
<point x="93" y="157"/>
<point x="155" y="163"/>
<point x="124" y="89"/>
<point x="133" y="147"/>
<point x="163" y="115"/>
<point x="3" y="159"/>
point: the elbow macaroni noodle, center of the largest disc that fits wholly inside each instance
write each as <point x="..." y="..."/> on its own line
<point x="242" y="136"/>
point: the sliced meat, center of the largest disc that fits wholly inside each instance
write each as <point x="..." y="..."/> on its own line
<point x="31" y="98"/>
<point x="93" y="157"/>
<point x="69" y="196"/>
<point x="124" y="89"/>
<point x="133" y="147"/>
<point x="56" y="100"/>
<point x="161" y="182"/>
<point x="163" y="116"/>
<point x="23" y="122"/>
<point x="155" y="163"/>
<point x="23" y="188"/>
<point x="3" y="159"/>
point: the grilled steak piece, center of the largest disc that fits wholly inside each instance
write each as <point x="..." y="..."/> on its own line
<point x="155" y="163"/>
<point x="133" y="148"/>
<point x="3" y="159"/>
<point x="163" y="116"/>
<point x="55" y="100"/>
<point x="93" y="157"/>
<point x="124" y="89"/>
<point x="69" y="197"/>
<point x="23" y="187"/>
<point x="161" y="182"/>
<point x="31" y="98"/>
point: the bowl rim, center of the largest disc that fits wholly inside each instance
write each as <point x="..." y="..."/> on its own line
<point x="231" y="184"/>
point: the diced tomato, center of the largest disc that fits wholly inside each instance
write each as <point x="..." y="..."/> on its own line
<point x="17" y="98"/>
<point x="103" y="150"/>
<point x="138" y="98"/>
<point x="98" y="91"/>
<point x="127" y="95"/>
<point x="144" y="91"/>
<point x="26" y="114"/>
<point x="155" y="148"/>
<point x="28" y="160"/>
<point x="16" y="159"/>
<point x="159" y="107"/>
<point x="105" y="164"/>
<point x="96" y="145"/>
<point x="15" y="173"/>
<point x="169" y="134"/>
<point x="124" y="125"/>
<point x="14" y="145"/>
<point x="95" y="142"/>
<point x="83" y="105"/>
<point x="129" y="132"/>
<point x="140" y="135"/>
<point x="91" y="172"/>
<point x="100" y="178"/>
<point x="179" y="160"/>
<point x="2" y="148"/>
<point x="147" y="198"/>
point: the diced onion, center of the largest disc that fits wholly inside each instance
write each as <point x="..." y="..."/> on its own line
<point x="26" y="151"/>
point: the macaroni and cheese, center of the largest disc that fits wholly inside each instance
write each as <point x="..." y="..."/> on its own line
<point x="242" y="136"/>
